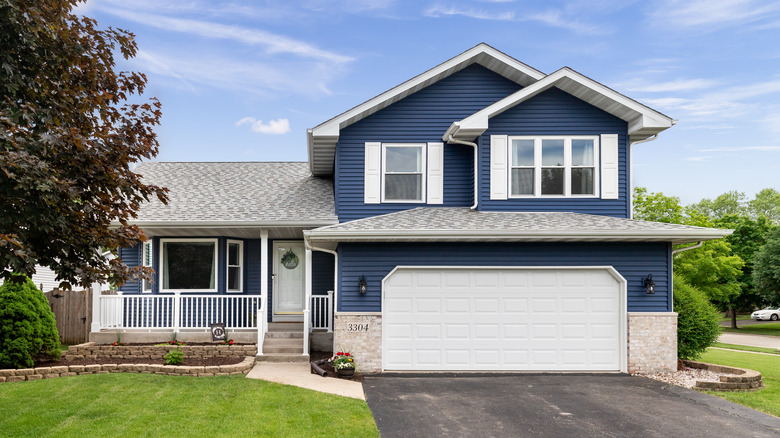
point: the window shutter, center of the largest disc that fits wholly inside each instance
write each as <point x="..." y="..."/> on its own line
<point x="373" y="173"/>
<point x="498" y="167"/>
<point x="435" y="173"/>
<point x="609" y="166"/>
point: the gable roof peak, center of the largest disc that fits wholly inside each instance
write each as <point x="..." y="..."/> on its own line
<point x="322" y="138"/>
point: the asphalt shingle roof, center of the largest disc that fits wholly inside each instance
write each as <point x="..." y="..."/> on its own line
<point x="445" y="222"/>
<point x="238" y="192"/>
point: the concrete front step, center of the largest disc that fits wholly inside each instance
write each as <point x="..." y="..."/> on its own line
<point x="283" y="345"/>
<point x="283" y="357"/>
<point x="285" y="327"/>
<point x="284" y="335"/>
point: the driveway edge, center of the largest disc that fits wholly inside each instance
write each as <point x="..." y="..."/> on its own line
<point x="726" y="406"/>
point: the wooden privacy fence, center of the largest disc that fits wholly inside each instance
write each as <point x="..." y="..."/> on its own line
<point x="73" y="312"/>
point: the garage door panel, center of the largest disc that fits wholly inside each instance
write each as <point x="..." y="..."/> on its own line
<point x="530" y="320"/>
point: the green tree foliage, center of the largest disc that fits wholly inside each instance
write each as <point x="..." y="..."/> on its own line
<point x="767" y="204"/>
<point x="729" y="203"/>
<point x="68" y="138"/>
<point x="766" y="268"/>
<point x="712" y="269"/>
<point x="27" y="327"/>
<point x="697" y="320"/>
<point x="657" y="207"/>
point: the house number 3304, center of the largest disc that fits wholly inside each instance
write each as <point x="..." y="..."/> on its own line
<point x="357" y="327"/>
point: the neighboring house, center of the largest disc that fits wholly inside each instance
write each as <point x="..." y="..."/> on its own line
<point x="44" y="278"/>
<point x="475" y="217"/>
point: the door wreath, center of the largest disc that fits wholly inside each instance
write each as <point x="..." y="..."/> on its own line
<point x="290" y="260"/>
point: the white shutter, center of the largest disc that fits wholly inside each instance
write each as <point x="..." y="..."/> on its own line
<point x="373" y="173"/>
<point x="609" y="166"/>
<point x="435" y="173"/>
<point x="498" y="167"/>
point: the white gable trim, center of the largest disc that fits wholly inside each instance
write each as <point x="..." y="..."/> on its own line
<point x="643" y="121"/>
<point x="322" y="138"/>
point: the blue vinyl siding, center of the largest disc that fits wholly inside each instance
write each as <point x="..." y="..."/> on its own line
<point x="419" y="118"/>
<point x="132" y="258"/>
<point x="375" y="260"/>
<point x="322" y="273"/>
<point x="556" y="112"/>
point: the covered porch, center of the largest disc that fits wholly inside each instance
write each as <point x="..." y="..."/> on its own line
<point x="253" y="278"/>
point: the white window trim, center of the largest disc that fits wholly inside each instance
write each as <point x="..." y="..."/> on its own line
<point x="185" y="240"/>
<point x="240" y="266"/>
<point x="567" y="165"/>
<point x="424" y="167"/>
<point x="146" y="263"/>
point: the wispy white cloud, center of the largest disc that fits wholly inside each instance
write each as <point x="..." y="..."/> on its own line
<point x="276" y="127"/>
<point x="667" y="86"/>
<point x="272" y="42"/>
<point x="709" y="15"/>
<point x="551" y="17"/>
<point x="743" y="149"/>
<point x="699" y="159"/>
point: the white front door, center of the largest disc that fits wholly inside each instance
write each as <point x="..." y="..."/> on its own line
<point x="289" y="277"/>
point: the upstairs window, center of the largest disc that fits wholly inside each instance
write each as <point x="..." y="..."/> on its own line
<point x="403" y="172"/>
<point x="553" y="166"/>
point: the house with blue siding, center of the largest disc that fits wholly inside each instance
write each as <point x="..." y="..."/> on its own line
<point x="475" y="217"/>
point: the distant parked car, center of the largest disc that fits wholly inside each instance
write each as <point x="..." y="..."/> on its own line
<point x="770" y="313"/>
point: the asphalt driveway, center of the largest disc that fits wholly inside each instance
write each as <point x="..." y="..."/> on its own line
<point x="552" y="405"/>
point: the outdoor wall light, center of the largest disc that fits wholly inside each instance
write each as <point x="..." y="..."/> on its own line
<point x="363" y="285"/>
<point x="649" y="284"/>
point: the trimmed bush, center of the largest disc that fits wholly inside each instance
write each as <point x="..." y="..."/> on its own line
<point x="28" y="331"/>
<point x="697" y="320"/>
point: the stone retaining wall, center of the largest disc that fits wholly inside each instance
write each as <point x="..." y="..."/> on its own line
<point x="170" y="370"/>
<point x="741" y="379"/>
<point x="90" y="350"/>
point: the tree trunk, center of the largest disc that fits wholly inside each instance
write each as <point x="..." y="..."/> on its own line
<point x="733" y="317"/>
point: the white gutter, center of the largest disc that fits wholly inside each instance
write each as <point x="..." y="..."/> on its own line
<point x="452" y="139"/>
<point x="227" y="224"/>
<point x="687" y="248"/>
<point x="631" y="171"/>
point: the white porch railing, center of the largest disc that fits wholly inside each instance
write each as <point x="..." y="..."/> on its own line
<point x="177" y="311"/>
<point x="322" y="311"/>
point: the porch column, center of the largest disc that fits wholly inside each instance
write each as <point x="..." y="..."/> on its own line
<point x="263" y="311"/>
<point x="97" y="289"/>
<point x="307" y="302"/>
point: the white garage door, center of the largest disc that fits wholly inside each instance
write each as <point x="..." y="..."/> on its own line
<point x="503" y="319"/>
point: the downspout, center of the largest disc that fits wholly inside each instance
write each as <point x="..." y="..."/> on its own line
<point x="335" y="280"/>
<point x="631" y="172"/>
<point x="687" y="248"/>
<point x="451" y="139"/>
<point x="671" y="262"/>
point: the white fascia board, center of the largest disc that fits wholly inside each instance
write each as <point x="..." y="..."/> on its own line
<point x="329" y="130"/>
<point x="677" y="236"/>
<point x="479" y="121"/>
<point x="227" y="224"/>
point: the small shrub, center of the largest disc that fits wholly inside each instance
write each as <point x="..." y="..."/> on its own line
<point x="174" y="357"/>
<point x="28" y="331"/>
<point x="697" y="320"/>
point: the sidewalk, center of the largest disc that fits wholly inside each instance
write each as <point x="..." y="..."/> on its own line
<point x="750" y="340"/>
<point x="299" y="374"/>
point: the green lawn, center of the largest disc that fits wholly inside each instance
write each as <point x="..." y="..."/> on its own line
<point x="747" y="348"/>
<point x="739" y="317"/>
<point x="150" y="405"/>
<point x="765" y="400"/>
<point x="769" y="328"/>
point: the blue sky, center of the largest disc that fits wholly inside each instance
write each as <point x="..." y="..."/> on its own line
<point x="242" y="81"/>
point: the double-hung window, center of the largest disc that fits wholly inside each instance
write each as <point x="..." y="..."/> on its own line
<point x="235" y="268"/>
<point x="147" y="262"/>
<point x="188" y="265"/>
<point x="553" y="166"/>
<point x="403" y="172"/>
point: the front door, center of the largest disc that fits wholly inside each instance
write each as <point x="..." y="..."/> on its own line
<point x="289" y="280"/>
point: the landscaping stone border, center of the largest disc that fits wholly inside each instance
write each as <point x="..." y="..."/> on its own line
<point x="114" y="353"/>
<point x="169" y="370"/>
<point x="741" y="379"/>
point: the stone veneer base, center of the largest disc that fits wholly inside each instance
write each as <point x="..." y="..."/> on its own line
<point x="365" y="345"/>
<point x="652" y="342"/>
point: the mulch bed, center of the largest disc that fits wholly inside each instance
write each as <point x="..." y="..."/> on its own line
<point x="210" y="361"/>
